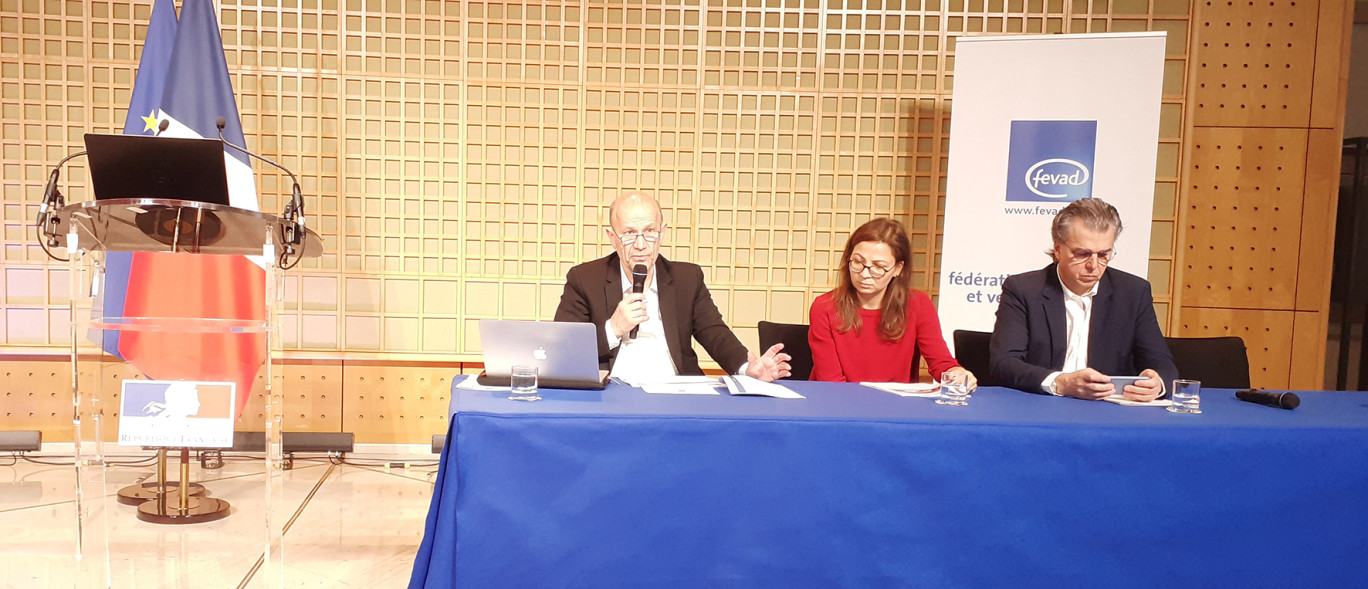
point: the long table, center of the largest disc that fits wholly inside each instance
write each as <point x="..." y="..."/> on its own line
<point x="855" y="487"/>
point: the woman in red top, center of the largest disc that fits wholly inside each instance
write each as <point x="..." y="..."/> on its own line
<point x="874" y="327"/>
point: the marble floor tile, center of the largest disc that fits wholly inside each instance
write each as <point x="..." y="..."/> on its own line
<point x="356" y="523"/>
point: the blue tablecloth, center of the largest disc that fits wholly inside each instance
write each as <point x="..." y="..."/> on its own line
<point x="859" y="488"/>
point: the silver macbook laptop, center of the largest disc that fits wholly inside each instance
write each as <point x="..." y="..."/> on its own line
<point x="565" y="354"/>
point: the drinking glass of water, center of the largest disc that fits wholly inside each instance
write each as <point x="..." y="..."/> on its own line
<point x="954" y="389"/>
<point x="523" y="384"/>
<point x="1187" y="396"/>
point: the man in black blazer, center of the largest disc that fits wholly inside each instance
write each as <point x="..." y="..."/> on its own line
<point x="1066" y="328"/>
<point x="654" y="328"/>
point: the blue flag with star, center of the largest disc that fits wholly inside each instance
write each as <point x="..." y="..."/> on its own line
<point x="143" y="117"/>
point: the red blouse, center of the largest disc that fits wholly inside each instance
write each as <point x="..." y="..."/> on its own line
<point x="863" y="356"/>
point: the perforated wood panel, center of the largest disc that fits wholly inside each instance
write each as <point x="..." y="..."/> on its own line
<point x="1265" y="334"/>
<point x="1255" y="62"/>
<point x="396" y="404"/>
<point x="311" y="395"/>
<point x="1244" y="217"/>
<point x="1264" y="164"/>
<point x="36" y="396"/>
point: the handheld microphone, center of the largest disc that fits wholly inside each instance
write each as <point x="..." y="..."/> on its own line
<point x="294" y="210"/>
<point x="638" y="286"/>
<point x="1271" y="399"/>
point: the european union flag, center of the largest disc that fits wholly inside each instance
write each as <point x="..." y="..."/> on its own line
<point x="142" y="118"/>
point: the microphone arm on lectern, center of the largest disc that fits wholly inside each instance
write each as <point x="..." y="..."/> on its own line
<point x="48" y="222"/>
<point x="294" y="210"/>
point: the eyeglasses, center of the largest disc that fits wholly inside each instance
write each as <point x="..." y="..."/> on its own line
<point x="650" y="235"/>
<point x="875" y="271"/>
<point x="1081" y="256"/>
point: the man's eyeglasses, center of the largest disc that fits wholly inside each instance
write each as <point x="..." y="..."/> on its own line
<point x="875" y="270"/>
<point x="1081" y="256"/>
<point x="650" y="235"/>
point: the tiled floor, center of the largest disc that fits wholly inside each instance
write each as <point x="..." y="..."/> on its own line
<point x="354" y="524"/>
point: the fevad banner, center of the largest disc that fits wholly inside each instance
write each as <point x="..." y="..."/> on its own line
<point x="1040" y="121"/>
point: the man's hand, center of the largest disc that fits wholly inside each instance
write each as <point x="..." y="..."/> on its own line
<point x="1085" y="384"/>
<point x="1145" y="390"/>
<point x="630" y="313"/>
<point x="773" y="365"/>
<point x="969" y="379"/>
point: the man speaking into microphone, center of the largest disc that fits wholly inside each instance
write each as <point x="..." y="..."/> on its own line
<point x="647" y="321"/>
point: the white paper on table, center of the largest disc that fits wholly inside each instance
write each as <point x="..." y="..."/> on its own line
<point x="672" y="380"/>
<point x="683" y="388"/>
<point x="745" y="385"/>
<point x="470" y="384"/>
<point x="925" y="390"/>
<point x="1120" y="400"/>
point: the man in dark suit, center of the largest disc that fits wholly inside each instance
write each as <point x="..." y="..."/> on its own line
<point x="1066" y="328"/>
<point x="645" y="336"/>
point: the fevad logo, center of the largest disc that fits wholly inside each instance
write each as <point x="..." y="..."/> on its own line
<point x="1051" y="161"/>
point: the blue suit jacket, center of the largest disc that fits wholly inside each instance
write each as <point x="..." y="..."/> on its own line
<point x="1030" y="336"/>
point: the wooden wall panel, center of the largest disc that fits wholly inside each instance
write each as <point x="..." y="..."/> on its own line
<point x="311" y="398"/>
<point x="1244" y="217"/>
<point x="457" y="157"/>
<point x="382" y="404"/>
<point x="1258" y="242"/>
<point x="1307" y="370"/>
<point x="1316" y="255"/>
<point x="403" y="404"/>
<point x="1265" y="334"/>
<point x="36" y="395"/>
<point x="1255" y="62"/>
<point x="1334" y="32"/>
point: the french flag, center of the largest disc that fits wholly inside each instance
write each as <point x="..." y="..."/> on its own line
<point x="196" y="92"/>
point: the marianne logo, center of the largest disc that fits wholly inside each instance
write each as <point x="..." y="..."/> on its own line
<point x="174" y="414"/>
<point x="1051" y="161"/>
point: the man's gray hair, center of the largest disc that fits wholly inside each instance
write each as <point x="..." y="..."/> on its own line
<point x="1094" y="213"/>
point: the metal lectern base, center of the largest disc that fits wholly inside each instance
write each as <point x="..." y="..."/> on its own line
<point x="139" y="494"/>
<point x="197" y="510"/>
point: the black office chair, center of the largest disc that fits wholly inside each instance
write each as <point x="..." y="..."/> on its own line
<point x="971" y="350"/>
<point x="795" y="340"/>
<point x="1219" y="362"/>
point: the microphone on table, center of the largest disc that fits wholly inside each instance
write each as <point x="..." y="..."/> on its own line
<point x="1279" y="400"/>
<point x="638" y="286"/>
<point x="161" y="128"/>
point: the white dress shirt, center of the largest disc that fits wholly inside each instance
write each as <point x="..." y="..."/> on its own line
<point x="646" y="357"/>
<point x="1077" y="320"/>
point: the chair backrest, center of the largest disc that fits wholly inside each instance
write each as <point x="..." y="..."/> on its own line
<point x="795" y="340"/>
<point x="971" y="351"/>
<point x="1219" y="362"/>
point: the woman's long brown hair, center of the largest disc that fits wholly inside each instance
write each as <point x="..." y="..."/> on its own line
<point x="893" y="310"/>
